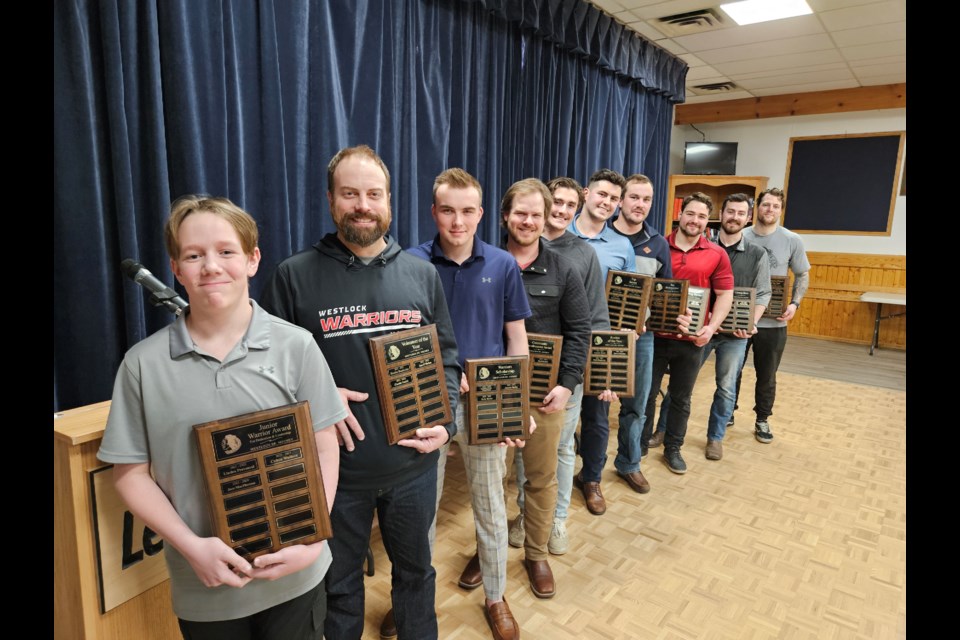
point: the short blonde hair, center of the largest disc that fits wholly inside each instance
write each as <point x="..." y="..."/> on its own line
<point x="242" y="222"/>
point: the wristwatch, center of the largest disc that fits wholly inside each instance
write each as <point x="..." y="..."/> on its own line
<point x="795" y="303"/>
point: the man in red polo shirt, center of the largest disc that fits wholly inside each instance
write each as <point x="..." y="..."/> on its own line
<point x="704" y="264"/>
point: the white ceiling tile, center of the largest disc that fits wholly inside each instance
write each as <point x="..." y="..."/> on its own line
<point x="802" y="44"/>
<point x="869" y="35"/>
<point x="730" y="95"/>
<point x="610" y="6"/>
<point x="696" y="74"/>
<point x="820" y="68"/>
<point x="890" y="60"/>
<point x="886" y="79"/>
<point x="897" y="48"/>
<point x="765" y="63"/>
<point x="873" y="70"/>
<point x="691" y="60"/>
<point x="806" y="88"/>
<point x="874" y="13"/>
<point x="781" y="79"/>
<point x="647" y="30"/>
<point x="763" y="32"/>
<point x="671" y="45"/>
<point x="828" y="5"/>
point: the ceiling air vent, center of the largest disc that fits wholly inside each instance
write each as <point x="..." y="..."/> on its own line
<point x="683" y="24"/>
<point x="710" y="89"/>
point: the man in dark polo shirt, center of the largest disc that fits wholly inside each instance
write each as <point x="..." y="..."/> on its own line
<point x="487" y="305"/>
<point x="703" y="264"/>
<point x="559" y="304"/>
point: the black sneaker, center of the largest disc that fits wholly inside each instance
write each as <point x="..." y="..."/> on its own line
<point x="763" y="432"/>
<point x="674" y="461"/>
<point x="730" y="421"/>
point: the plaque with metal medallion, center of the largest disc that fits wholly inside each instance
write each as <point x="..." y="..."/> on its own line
<point x="779" y="297"/>
<point x="668" y="300"/>
<point x="741" y="311"/>
<point x="698" y="301"/>
<point x="544" y="364"/>
<point x="628" y="297"/>
<point x="610" y="363"/>
<point x="408" y="369"/>
<point x="497" y="404"/>
<point x="263" y="480"/>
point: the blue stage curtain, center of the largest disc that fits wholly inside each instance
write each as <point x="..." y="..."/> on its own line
<point x="250" y="99"/>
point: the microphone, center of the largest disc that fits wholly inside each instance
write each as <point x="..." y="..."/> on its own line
<point x="161" y="294"/>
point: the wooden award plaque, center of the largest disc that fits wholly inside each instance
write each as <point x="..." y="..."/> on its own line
<point x="698" y="301"/>
<point x="668" y="300"/>
<point x="741" y="311"/>
<point x="544" y="364"/>
<point x="263" y="480"/>
<point x="628" y="298"/>
<point x="497" y="405"/>
<point x="408" y="369"/>
<point x="779" y="298"/>
<point x="610" y="363"/>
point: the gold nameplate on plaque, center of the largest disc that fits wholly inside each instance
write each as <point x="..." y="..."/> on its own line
<point x="668" y="300"/>
<point x="497" y="404"/>
<point x="628" y="298"/>
<point x="610" y="363"/>
<point x="779" y="297"/>
<point x="408" y="369"/>
<point x="263" y="480"/>
<point x="741" y="311"/>
<point x="544" y="364"/>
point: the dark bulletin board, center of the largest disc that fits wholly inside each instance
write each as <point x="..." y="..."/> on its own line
<point x="843" y="184"/>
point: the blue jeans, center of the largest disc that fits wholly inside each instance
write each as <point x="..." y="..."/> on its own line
<point x="594" y="435"/>
<point x="405" y="512"/>
<point x="730" y="354"/>
<point x="633" y="410"/>
<point x="683" y="358"/>
<point x="566" y="458"/>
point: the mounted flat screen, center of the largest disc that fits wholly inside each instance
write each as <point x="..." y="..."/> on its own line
<point x="710" y="158"/>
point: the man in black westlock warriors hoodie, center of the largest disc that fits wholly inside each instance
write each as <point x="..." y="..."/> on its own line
<point x="351" y="286"/>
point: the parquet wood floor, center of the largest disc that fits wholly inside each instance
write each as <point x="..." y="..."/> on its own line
<point x="801" y="538"/>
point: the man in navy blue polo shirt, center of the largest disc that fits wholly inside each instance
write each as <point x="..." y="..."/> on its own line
<point x="488" y="305"/>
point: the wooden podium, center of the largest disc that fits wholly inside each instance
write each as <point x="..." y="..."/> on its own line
<point x="104" y="559"/>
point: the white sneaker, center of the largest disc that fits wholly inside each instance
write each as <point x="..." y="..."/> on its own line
<point x="558" y="538"/>
<point x="517" y="534"/>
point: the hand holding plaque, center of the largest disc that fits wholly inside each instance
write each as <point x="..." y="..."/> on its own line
<point x="408" y="369"/>
<point x="263" y="480"/>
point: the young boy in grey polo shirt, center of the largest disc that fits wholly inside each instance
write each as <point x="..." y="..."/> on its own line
<point x="223" y="357"/>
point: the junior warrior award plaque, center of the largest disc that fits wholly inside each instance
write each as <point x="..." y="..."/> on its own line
<point x="497" y="405"/>
<point x="263" y="480"/>
<point x="741" y="311"/>
<point x="408" y="368"/>
<point x="544" y="364"/>
<point x="778" y="298"/>
<point x="628" y="297"/>
<point x="610" y="363"/>
<point x="668" y="300"/>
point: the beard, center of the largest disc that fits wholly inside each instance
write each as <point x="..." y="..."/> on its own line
<point x="363" y="237"/>
<point x="688" y="234"/>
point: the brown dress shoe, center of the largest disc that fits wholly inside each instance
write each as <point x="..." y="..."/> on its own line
<point x="388" y="628"/>
<point x="591" y="495"/>
<point x="541" y="578"/>
<point x="656" y="440"/>
<point x="501" y="621"/>
<point x="714" y="450"/>
<point x="636" y="481"/>
<point x="472" y="577"/>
